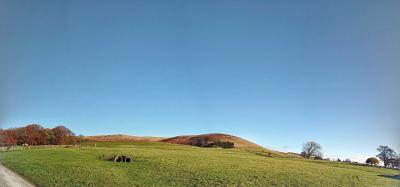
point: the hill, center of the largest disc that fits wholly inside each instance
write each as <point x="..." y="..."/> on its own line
<point x="123" y="138"/>
<point x="204" y="140"/>
<point x="211" y="138"/>
<point x="193" y="140"/>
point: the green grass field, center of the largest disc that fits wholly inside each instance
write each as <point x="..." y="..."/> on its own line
<point x="159" y="164"/>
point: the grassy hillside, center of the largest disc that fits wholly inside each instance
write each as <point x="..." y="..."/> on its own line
<point x="188" y="139"/>
<point x="160" y="164"/>
<point x="217" y="137"/>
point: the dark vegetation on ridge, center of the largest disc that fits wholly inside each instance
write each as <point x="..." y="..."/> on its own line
<point x="212" y="140"/>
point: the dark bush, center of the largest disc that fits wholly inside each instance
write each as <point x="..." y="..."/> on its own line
<point x="224" y="144"/>
<point x="204" y="142"/>
<point x="199" y="142"/>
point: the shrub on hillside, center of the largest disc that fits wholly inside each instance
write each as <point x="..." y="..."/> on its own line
<point x="199" y="142"/>
<point x="203" y="142"/>
<point x="372" y="161"/>
<point x="224" y="144"/>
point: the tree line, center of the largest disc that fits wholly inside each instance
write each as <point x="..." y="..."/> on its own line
<point x="389" y="157"/>
<point x="35" y="134"/>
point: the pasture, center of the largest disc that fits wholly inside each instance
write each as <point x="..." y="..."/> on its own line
<point x="161" y="164"/>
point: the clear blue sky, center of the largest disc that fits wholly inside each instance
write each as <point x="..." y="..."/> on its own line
<point x="279" y="73"/>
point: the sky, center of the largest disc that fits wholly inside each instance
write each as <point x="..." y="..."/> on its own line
<point x="279" y="73"/>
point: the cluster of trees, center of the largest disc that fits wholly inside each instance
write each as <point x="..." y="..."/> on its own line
<point x="223" y="144"/>
<point x="388" y="156"/>
<point x="35" y="134"/>
<point x="203" y="142"/>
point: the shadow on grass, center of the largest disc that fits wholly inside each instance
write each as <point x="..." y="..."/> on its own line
<point x="391" y="176"/>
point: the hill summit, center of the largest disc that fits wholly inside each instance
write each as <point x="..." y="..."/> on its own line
<point x="202" y="140"/>
<point x="205" y="140"/>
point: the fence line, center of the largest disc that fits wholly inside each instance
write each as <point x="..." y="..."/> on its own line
<point x="12" y="148"/>
<point x="20" y="148"/>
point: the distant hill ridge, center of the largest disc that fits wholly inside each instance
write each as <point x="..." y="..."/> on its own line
<point x="192" y="139"/>
<point x="184" y="139"/>
<point x="123" y="138"/>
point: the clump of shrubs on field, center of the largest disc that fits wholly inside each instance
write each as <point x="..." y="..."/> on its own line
<point x="224" y="144"/>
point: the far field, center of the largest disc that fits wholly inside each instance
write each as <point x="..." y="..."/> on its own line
<point x="162" y="164"/>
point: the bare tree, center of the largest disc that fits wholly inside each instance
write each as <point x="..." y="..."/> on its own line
<point x="386" y="154"/>
<point x="311" y="148"/>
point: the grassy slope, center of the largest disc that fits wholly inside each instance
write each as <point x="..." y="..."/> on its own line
<point x="159" y="164"/>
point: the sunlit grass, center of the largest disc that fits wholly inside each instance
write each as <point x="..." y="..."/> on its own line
<point x="159" y="164"/>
